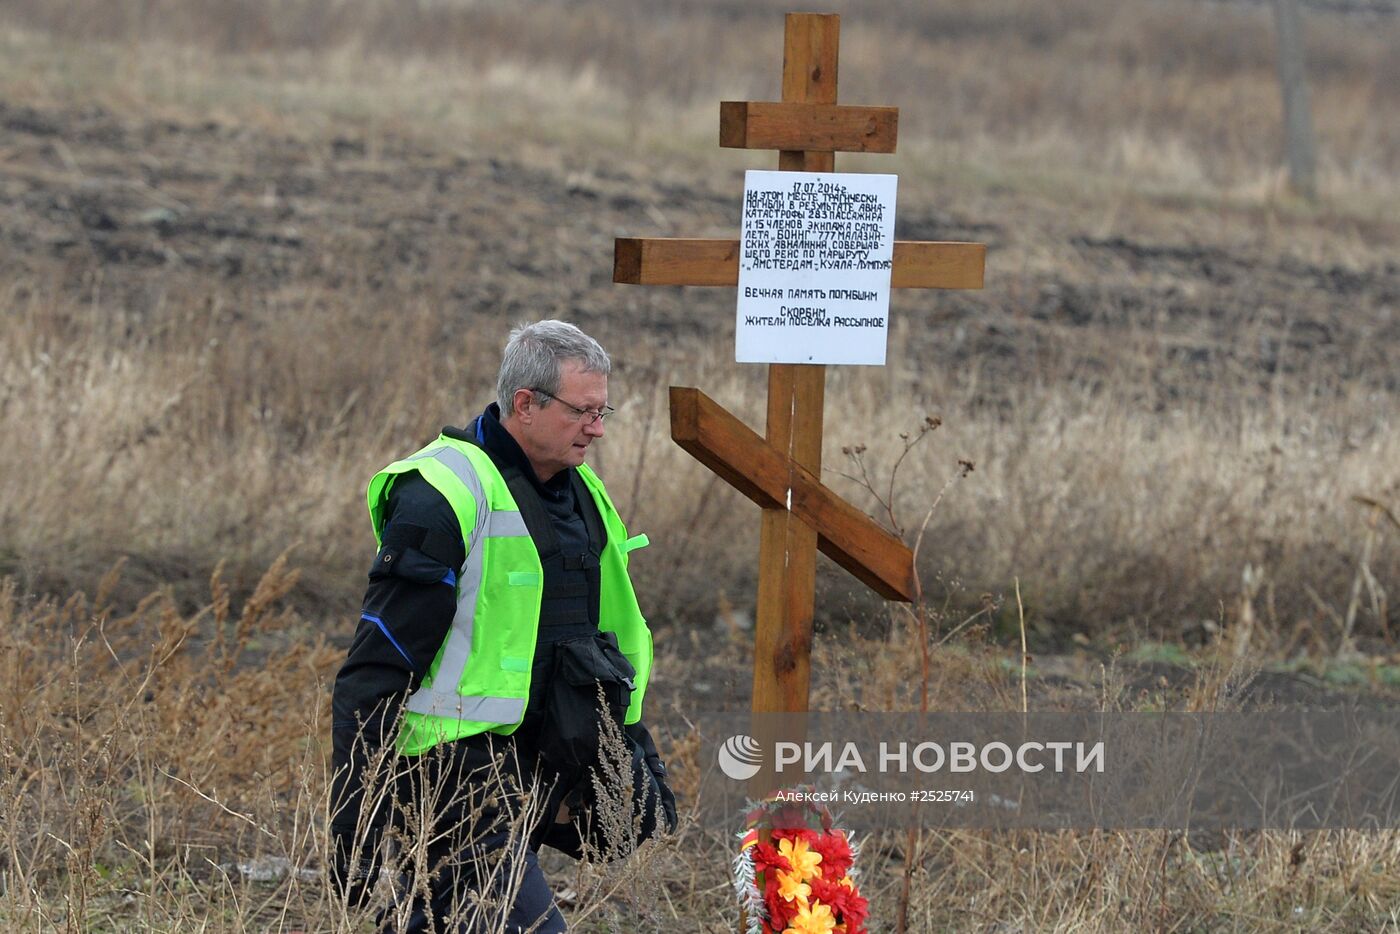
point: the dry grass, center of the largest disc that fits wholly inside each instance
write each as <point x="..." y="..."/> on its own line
<point x="157" y="779"/>
<point x="1174" y="389"/>
<point x="183" y="457"/>
<point x="147" y="752"/>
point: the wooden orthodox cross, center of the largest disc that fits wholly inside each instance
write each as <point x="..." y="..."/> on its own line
<point x="782" y="472"/>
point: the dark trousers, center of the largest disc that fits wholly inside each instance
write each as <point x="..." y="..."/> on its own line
<point x="448" y="903"/>
<point x="464" y="800"/>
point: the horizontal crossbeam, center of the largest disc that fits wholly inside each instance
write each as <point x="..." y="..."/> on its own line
<point x="808" y="127"/>
<point x="673" y="261"/>
<point x="773" y="480"/>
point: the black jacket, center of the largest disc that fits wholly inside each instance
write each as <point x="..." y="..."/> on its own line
<point x="409" y="604"/>
<point x="408" y="609"/>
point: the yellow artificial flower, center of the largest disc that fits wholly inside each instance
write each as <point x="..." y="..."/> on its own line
<point x="803" y="859"/>
<point x="812" y="919"/>
<point x="792" y="888"/>
<point x="848" y="882"/>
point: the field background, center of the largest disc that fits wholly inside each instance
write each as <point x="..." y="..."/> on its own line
<point x="250" y="251"/>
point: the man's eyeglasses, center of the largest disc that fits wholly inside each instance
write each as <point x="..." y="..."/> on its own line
<point x="590" y="414"/>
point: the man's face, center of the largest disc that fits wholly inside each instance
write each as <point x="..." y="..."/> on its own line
<point x="555" y="436"/>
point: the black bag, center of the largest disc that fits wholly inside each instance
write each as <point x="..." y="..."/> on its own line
<point x="571" y="732"/>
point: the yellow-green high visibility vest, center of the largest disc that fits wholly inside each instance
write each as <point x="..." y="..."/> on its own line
<point x="479" y="680"/>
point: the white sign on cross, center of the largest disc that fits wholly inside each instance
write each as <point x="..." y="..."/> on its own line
<point x="814" y="268"/>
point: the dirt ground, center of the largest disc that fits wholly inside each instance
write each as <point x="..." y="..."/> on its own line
<point x="141" y="207"/>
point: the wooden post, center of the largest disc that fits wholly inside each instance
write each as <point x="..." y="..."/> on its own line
<point x="1299" y="144"/>
<point x="787" y="551"/>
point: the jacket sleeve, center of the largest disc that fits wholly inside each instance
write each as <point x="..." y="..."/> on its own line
<point x="408" y="608"/>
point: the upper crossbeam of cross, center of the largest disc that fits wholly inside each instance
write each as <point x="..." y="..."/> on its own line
<point x="782" y="471"/>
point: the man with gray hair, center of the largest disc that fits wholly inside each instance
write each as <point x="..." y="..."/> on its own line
<point x="500" y="649"/>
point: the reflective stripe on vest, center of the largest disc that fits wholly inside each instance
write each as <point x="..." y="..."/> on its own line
<point x="441" y="698"/>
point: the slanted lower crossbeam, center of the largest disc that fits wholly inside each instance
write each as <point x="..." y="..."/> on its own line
<point x="775" y="481"/>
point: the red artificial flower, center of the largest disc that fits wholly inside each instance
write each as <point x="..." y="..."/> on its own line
<point x="780" y="910"/>
<point x="829" y="893"/>
<point x="843" y="898"/>
<point x="766" y="856"/>
<point x="836" y="854"/>
<point x="857" y="910"/>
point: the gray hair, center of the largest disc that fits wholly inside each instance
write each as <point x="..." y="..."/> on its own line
<point x="533" y="357"/>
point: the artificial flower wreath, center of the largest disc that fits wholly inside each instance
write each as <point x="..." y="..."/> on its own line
<point x="794" y="872"/>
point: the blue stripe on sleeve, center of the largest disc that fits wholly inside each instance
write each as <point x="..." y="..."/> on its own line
<point x="388" y="635"/>
<point x="450" y="579"/>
